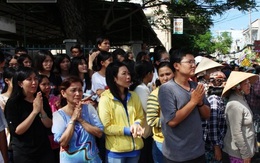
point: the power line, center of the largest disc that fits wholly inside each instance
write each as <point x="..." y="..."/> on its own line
<point x="232" y="18"/>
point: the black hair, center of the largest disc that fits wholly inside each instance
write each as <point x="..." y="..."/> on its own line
<point x="142" y="68"/>
<point x="177" y="55"/>
<point x="9" y="58"/>
<point x="77" y="46"/>
<point x="21" y="58"/>
<point x="102" y="56"/>
<point x="117" y="52"/>
<point x="74" y="70"/>
<point x="40" y="78"/>
<point x="111" y="73"/>
<point x="74" y="65"/>
<point x="165" y="64"/>
<point x="40" y="57"/>
<point x="140" y="55"/>
<point x="158" y="51"/>
<point x="130" y="65"/>
<point x="257" y="70"/>
<point x="57" y="61"/>
<point x="21" y="74"/>
<point x="161" y="65"/>
<point x="2" y="56"/>
<point x="8" y="73"/>
<point x="20" y="49"/>
<point x="128" y="53"/>
<point x="101" y="39"/>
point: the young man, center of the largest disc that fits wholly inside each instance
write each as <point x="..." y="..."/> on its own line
<point x="76" y="51"/>
<point x="183" y="104"/>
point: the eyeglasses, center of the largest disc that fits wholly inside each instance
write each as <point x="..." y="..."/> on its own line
<point x="191" y="62"/>
<point x="217" y="80"/>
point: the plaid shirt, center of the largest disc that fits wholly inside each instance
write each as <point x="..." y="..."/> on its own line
<point x="215" y="128"/>
<point x="254" y="97"/>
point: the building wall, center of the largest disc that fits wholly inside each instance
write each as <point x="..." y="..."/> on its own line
<point x="238" y="40"/>
<point x="255" y="31"/>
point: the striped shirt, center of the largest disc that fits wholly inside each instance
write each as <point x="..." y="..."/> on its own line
<point x="153" y="115"/>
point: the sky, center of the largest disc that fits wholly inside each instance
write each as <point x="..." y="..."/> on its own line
<point x="234" y="19"/>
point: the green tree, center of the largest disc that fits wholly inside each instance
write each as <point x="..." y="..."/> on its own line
<point x="223" y="43"/>
<point x="204" y="43"/>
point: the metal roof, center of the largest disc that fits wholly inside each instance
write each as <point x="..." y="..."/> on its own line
<point x="41" y="23"/>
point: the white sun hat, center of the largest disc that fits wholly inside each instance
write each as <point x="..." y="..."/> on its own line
<point x="206" y="64"/>
<point x="237" y="77"/>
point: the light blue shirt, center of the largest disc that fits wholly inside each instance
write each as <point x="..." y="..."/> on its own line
<point x="82" y="145"/>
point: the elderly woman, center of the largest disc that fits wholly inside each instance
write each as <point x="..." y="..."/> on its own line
<point x="239" y="141"/>
<point x="75" y="125"/>
<point x="203" y="70"/>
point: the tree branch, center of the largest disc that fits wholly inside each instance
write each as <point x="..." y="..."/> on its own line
<point x="109" y="11"/>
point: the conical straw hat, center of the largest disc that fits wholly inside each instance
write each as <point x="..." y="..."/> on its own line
<point x="237" y="77"/>
<point x="206" y="64"/>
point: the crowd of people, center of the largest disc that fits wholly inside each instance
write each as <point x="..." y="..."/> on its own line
<point x="157" y="107"/>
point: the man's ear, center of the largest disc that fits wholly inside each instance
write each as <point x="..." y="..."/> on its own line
<point x="176" y="66"/>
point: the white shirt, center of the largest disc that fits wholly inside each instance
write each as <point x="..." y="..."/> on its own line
<point x="98" y="82"/>
<point x="143" y="92"/>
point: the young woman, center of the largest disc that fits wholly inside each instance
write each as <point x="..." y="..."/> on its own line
<point x="44" y="65"/>
<point x="144" y="75"/>
<point x="79" y="68"/>
<point x="45" y="88"/>
<point x="8" y="75"/>
<point x="165" y="73"/>
<point x="142" y="56"/>
<point x="54" y="102"/>
<point x="121" y="113"/>
<point x="62" y="65"/>
<point x="100" y="64"/>
<point x="119" y="55"/>
<point x="28" y="118"/>
<point x="24" y="60"/>
<point x="11" y="61"/>
<point x="75" y="125"/>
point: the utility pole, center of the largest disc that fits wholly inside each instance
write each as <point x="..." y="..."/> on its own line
<point x="250" y="27"/>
